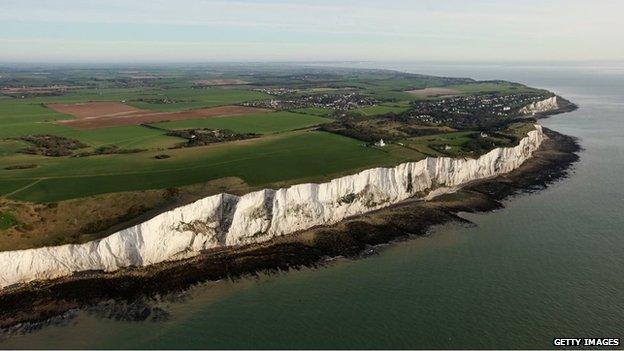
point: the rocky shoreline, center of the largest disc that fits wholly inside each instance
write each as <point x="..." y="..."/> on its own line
<point x="40" y="301"/>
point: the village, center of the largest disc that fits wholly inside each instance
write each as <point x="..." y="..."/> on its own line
<point x="341" y="102"/>
<point x="472" y="110"/>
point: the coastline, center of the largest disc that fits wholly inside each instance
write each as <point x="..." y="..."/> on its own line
<point x="224" y="220"/>
<point x="351" y="237"/>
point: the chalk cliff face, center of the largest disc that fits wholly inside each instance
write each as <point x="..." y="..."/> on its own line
<point x="228" y="220"/>
<point x="540" y="106"/>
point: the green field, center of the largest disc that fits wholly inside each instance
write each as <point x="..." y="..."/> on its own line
<point x="198" y="98"/>
<point x="10" y="147"/>
<point x="189" y="97"/>
<point x="381" y="110"/>
<point x="30" y="116"/>
<point x="492" y="87"/>
<point x="263" y="123"/>
<point x="466" y="143"/>
<point x="454" y="140"/>
<point x="315" y="111"/>
<point x="9" y="186"/>
<point x="25" y="116"/>
<point x="20" y="118"/>
<point x="293" y="157"/>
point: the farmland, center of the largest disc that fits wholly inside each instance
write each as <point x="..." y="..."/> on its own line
<point x="93" y="115"/>
<point x="382" y="109"/>
<point x="264" y="123"/>
<point x="286" y="157"/>
<point x="107" y="110"/>
<point x="86" y="139"/>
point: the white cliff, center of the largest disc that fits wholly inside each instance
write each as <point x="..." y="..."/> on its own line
<point x="540" y="106"/>
<point x="228" y="220"/>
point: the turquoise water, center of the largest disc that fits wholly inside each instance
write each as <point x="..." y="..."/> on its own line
<point x="548" y="265"/>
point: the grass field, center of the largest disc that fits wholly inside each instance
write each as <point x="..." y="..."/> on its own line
<point x="492" y="87"/>
<point x="315" y="111"/>
<point x="15" y="111"/>
<point x="11" y="185"/>
<point x="292" y="157"/>
<point x="381" y="110"/>
<point x="467" y="143"/>
<point x="128" y="137"/>
<point x="189" y="97"/>
<point x="10" y="147"/>
<point x="519" y="130"/>
<point x="30" y="124"/>
<point x="424" y="144"/>
<point x="264" y="123"/>
<point x="197" y="98"/>
<point x="29" y="116"/>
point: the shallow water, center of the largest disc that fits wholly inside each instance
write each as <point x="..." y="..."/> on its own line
<point x="548" y="265"/>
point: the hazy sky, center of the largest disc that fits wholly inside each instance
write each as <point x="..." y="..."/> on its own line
<point x="245" y="30"/>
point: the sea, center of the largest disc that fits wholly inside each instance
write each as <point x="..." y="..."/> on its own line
<point x="549" y="265"/>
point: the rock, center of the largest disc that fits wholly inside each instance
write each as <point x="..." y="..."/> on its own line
<point x="159" y="315"/>
<point x="540" y="106"/>
<point x="135" y="311"/>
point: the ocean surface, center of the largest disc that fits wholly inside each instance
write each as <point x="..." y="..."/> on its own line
<point x="549" y="265"/>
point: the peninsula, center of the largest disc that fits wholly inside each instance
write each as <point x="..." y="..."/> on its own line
<point x="128" y="182"/>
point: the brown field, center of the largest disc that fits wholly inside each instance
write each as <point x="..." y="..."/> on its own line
<point x="95" y="109"/>
<point x="93" y="115"/>
<point x="432" y="92"/>
<point x="216" y="82"/>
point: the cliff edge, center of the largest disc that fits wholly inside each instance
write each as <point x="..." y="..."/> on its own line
<point x="226" y="220"/>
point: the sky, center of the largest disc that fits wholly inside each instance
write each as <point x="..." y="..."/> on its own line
<point x="120" y="31"/>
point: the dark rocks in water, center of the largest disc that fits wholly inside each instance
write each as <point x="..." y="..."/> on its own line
<point x="128" y="311"/>
<point x="133" y="311"/>
<point x="121" y="310"/>
<point x="29" y="327"/>
<point x="159" y="315"/>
